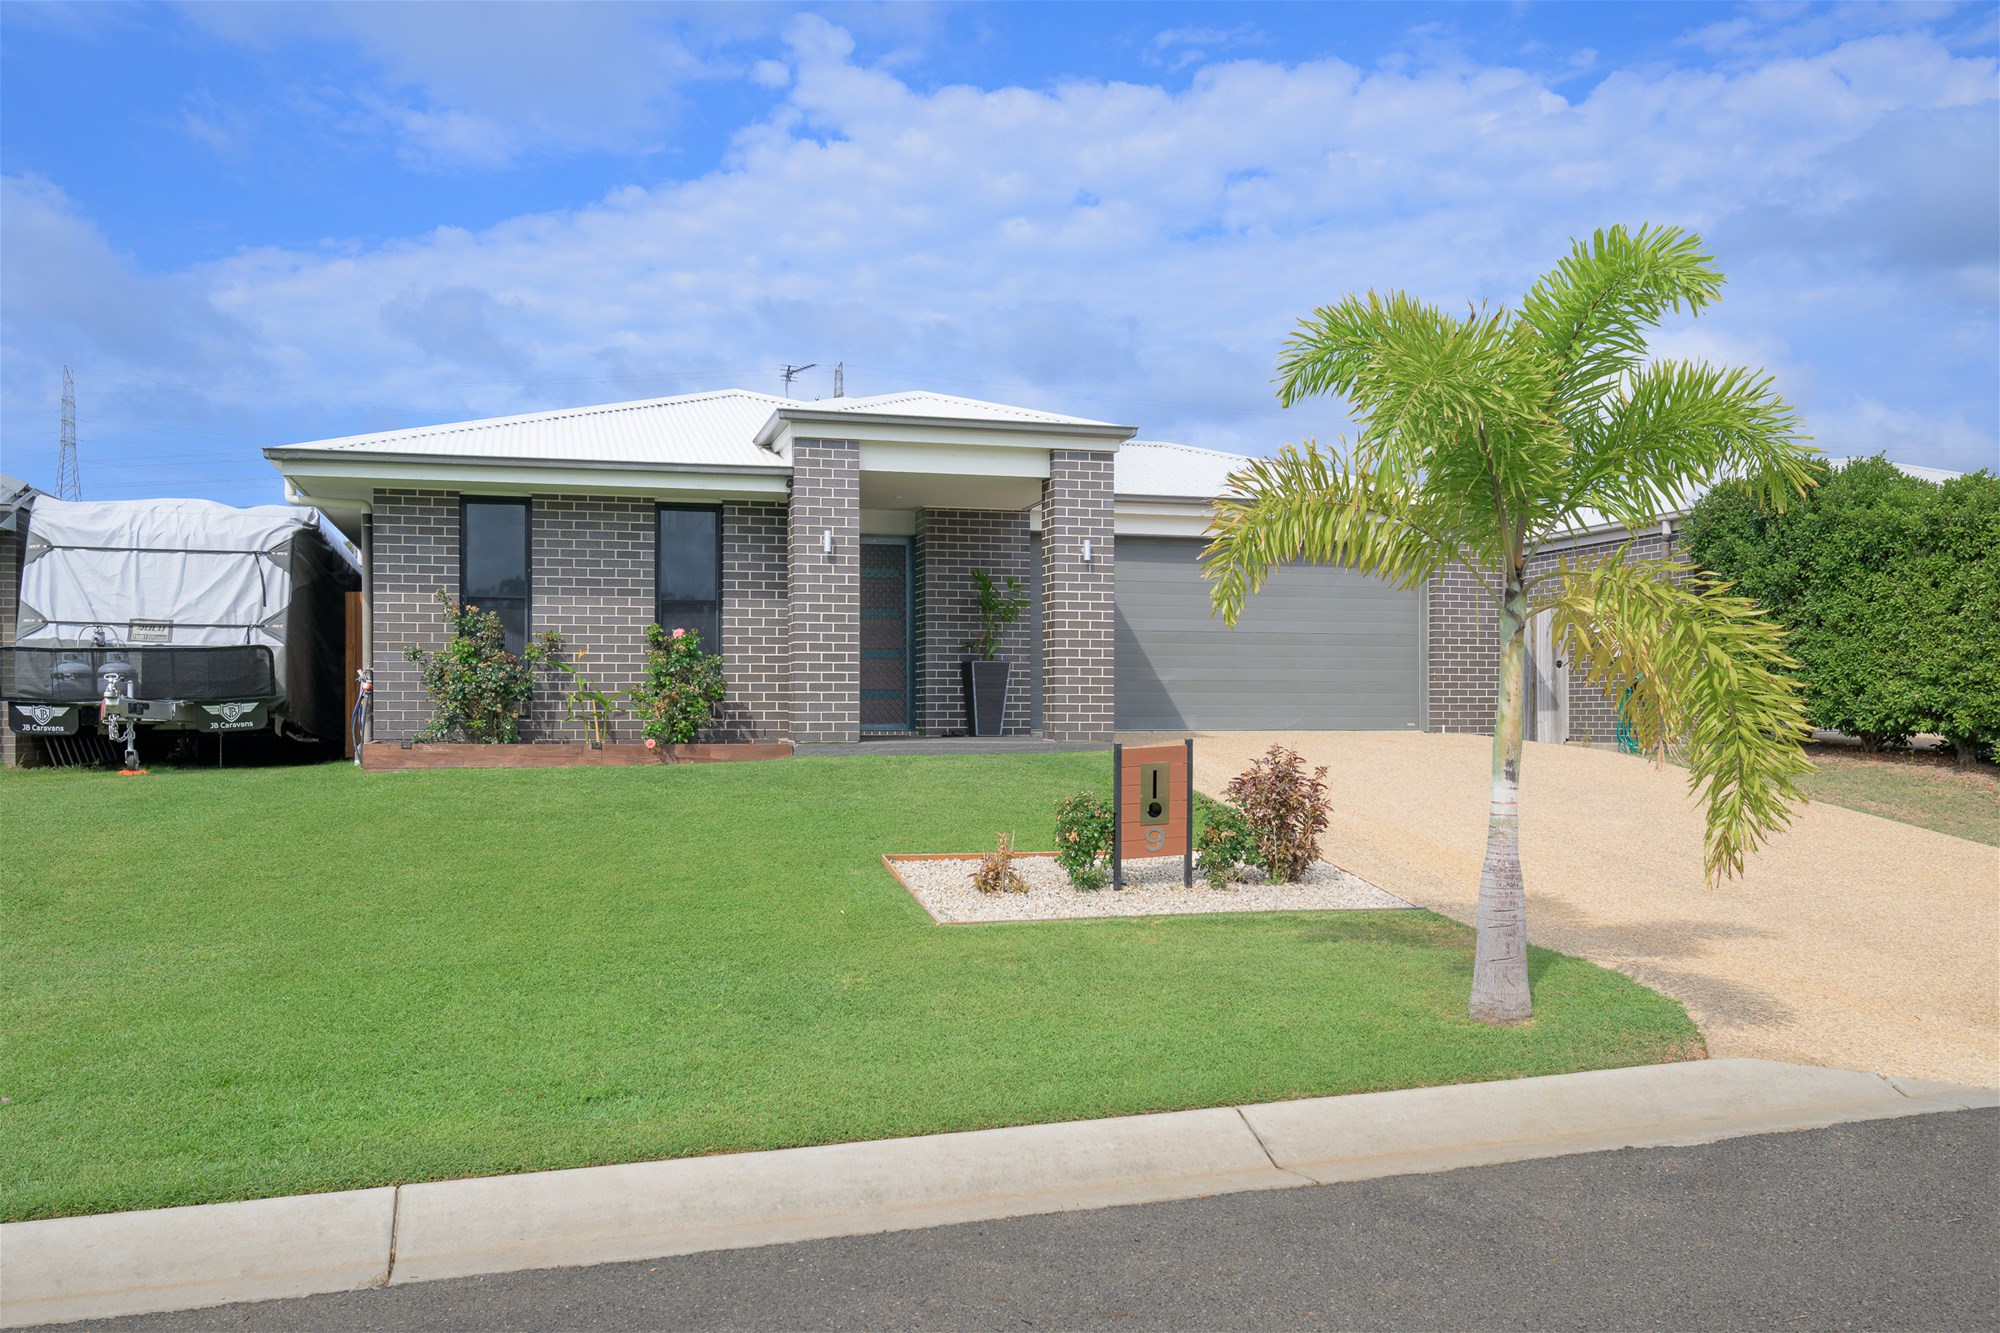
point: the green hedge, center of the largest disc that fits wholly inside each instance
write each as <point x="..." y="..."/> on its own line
<point x="1890" y="586"/>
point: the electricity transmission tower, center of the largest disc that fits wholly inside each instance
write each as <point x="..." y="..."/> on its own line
<point x="840" y="379"/>
<point x="792" y="372"/>
<point x="69" y="486"/>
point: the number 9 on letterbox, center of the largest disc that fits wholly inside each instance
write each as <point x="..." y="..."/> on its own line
<point x="1151" y="804"/>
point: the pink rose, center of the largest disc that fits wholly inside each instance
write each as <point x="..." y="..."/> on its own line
<point x="650" y="742"/>
<point x="679" y="632"/>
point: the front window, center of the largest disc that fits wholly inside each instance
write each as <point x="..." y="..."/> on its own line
<point x="493" y="574"/>
<point x="690" y="573"/>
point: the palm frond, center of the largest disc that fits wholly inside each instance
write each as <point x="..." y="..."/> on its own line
<point x="1592" y="310"/>
<point x="1314" y="505"/>
<point x="1698" y="669"/>
<point x="1677" y="427"/>
<point x="1462" y="399"/>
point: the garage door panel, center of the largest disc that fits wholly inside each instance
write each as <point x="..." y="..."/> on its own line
<point x="1317" y="647"/>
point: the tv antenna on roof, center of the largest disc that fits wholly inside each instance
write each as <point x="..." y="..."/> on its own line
<point x="69" y="485"/>
<point x="792" y="372"/>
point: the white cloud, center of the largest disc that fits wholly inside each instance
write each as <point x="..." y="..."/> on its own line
<point x="1130" y="252"/>
<point x="482" y="85"/>
<point x="1866" y="426"/>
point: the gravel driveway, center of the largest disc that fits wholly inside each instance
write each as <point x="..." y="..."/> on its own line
<point x="1851" y="941"/>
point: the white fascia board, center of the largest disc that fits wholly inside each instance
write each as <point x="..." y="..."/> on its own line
<point x="1149" y="518"/>
<point x="345" y="477"/>
<point x="786" y="425"/>
<point x="1161" y="518"/>
<point x="948" y="459"/>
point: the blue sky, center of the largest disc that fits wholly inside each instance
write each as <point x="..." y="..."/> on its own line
<point x="257" y="224"/>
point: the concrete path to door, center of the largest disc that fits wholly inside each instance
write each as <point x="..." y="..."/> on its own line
<point x="1851" y="941"/>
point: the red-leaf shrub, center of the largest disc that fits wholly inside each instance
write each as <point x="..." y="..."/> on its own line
<point x="1286" y="810"/>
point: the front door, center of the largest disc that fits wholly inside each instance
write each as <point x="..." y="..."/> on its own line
<point x="888" y="677"/>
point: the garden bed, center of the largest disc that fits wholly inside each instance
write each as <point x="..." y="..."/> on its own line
<point x="386" y="757"/>
<point x="1153" y="887"/>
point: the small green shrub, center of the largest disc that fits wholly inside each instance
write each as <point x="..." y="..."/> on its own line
<point x="679" y="689"/>
<point x="997" y="610"/>
<point x="1083" y="840"/>
<point x="1225" y="844"/>
<point x="479" y="690"/>
<point x="1285" y="809"/>
<point x="996" y="873"/>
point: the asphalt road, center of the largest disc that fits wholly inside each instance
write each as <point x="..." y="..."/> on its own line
<point x="1890" y="1224"/>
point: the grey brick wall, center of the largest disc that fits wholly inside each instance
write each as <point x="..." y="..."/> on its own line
<point x="824" y="591"/>
<point x="592" y="578"/>
<point x="592" y="560"/>
<point x="1592" y="716"/>
<point x="1464" y="634"/>
<point x="1079" y="614"/>
<point x="414" y="555"/>
<point x="956" y="542"/>
<point x="756" y="624"/>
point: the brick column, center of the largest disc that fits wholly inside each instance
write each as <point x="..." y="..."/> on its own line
<point x="415" y="556"/>
<point x="825" y="591"/>
<point x="1079" y="618"/>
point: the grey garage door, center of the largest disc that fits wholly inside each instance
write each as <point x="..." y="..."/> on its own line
<point x="1318" y="648"/>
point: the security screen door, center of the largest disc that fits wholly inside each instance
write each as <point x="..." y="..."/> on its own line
<point x="887" y="675"/>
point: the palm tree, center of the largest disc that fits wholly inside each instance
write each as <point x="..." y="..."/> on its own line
<point x="1481" y="436"/>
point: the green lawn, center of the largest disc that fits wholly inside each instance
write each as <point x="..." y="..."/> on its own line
<point x="222" y="985"/>
<point x="1913" y="789"/>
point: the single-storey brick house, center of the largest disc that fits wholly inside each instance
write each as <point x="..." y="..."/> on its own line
<point x="826" y="550"/>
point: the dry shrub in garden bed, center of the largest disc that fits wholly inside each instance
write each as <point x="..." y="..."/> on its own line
<point x="996" y="873"/>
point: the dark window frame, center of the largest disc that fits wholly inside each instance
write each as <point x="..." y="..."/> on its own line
<point x="527" y="600"/>
<point x="715" y="646"/>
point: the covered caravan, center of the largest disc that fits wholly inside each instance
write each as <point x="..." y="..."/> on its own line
<point x="215" y="618"/>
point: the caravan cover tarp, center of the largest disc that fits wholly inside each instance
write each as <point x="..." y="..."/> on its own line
<point x="182" y="572"/>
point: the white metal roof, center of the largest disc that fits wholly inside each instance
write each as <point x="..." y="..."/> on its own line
<point x="918" y="403"/>
<point x="693" y="430"/>
<point x="1156" y="468"/>
<point x="717" y="429"/>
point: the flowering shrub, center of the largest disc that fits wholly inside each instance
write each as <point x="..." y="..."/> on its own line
<point x="676" y="696"/>
<point x="1285" y="811"/>
<point x="1225" y="844"/>
<point x="1083" y="840"/>
<point x="480" y="690"/>
<point x="996" y="873"/>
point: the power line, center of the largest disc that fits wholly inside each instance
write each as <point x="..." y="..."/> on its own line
<point x="69" y="484"/>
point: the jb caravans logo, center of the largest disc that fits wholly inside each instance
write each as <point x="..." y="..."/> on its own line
<point x="43" y="720"/>
<point x="231" y="717"/>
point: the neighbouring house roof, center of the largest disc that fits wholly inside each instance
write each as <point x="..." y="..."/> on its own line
<point x="1157" y="469"/>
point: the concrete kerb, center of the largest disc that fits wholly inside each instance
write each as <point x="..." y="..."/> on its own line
<point x="183" y="1258"/>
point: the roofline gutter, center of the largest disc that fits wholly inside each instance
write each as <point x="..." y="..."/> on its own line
<point x="279" y="455"/>
<point x="784" y="416"/>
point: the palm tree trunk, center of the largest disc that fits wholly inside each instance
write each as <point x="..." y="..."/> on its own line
<point x="1500" y="960"/>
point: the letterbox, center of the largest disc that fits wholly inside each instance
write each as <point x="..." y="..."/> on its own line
<point x="1152" y="806"/>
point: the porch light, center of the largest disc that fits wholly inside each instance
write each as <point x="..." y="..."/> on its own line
<point x="826" y="541"/>
<point x="1086" y="550"/>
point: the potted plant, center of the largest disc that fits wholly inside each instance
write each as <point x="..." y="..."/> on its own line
<point x="985" y="673"/>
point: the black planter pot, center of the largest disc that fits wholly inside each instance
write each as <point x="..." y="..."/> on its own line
<point x="985" y="697"/>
